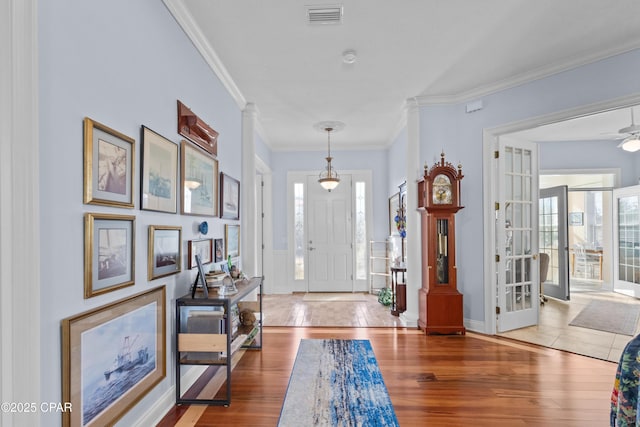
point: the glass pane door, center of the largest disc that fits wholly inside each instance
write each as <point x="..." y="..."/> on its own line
<point x="627" y="241"/>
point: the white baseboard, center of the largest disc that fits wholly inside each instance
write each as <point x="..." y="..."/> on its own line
<point x="158" y="410"/>
<point x="475" y="326"/>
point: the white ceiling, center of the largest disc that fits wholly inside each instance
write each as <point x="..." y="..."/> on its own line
<point x="266" y="53"/>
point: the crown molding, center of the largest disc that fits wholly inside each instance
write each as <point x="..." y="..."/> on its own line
<point x="529" y="76"/>
<point x="191" y="29"/>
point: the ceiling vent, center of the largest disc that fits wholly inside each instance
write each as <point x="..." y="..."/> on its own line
<point x="324" y="14"/>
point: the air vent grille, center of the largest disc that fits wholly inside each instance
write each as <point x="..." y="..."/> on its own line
<point x="324" y="14"/>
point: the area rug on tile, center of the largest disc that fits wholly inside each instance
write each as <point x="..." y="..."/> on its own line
<point x="333" y="296"/>
<point x="336" y="383"/>
<point x="609" y="316"/>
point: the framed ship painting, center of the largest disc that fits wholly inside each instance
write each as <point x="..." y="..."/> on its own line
<point x="112" y="356"/>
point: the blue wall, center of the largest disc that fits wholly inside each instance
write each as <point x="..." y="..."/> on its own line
<point x="397" y="162"/>
<point x="123" y="64"/>
<point x="460" y="134"/>
<point x="590" y="155"/>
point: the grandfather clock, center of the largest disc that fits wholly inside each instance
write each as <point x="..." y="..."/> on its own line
<point x="440" y="303"/>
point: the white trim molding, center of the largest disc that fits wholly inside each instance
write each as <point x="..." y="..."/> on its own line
<point x="20" y="379"/>
<point x="186" y="21"/>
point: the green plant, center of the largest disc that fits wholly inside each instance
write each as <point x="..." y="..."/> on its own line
<point x="385" y="296"/>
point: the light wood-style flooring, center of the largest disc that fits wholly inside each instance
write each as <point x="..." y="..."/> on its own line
<point x="432" y="380"/>
<point x="554" y="331"/>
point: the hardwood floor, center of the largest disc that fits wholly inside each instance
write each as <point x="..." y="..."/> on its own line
<point x="432" y="380"/>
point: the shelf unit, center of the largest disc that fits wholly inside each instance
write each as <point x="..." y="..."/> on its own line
<point x="207" y="331"/>
<point x="379" y="262"/>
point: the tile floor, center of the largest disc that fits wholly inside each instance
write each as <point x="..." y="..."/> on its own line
<point x="293" y="310"/>
<point x="553" y="330"/>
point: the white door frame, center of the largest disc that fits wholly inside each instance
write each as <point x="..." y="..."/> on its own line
<point x="489" y="139"/>
<point x="301" y="177"/>
<point x="267" y="225"/>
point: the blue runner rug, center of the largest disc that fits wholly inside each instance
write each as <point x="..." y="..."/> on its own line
<point x="336" y="383"/>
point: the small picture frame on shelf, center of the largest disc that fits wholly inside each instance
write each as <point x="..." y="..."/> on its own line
<point x="108" y="166"/>
<point x="165" y="251"/>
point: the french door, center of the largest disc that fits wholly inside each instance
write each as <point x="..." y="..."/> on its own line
<point x="554" y="240"/>
<point x="626" y="240"/>
<point x="517" y="234"/>
<point x="329" y="236"/>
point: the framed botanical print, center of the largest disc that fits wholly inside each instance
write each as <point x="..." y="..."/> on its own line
<point x="108" y="166"/>
<point x="199" y="181"/>
<point x="109" y="252"/>
<point x="159" y="173"/>
<point x="229" y="197"/>
<point x="232" y="240"/>
<point x="112" y="356"/>
<point x="204" y="248"/>
<point x="165" y="251"/>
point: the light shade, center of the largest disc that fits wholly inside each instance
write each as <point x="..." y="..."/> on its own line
<point x="192" y="183"/>
<point x="329" y="178"/>
<point x="329" y="183"/>
<point x="631" y="143"/>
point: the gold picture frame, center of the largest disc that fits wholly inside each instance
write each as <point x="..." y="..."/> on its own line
<point x="232" y="241"/>
<point x="198" y="181"/>
<point x="159" y="171"/>
<point x="165" y="251"/>
<point x="109" y="158"/>
<point x="109" y="252"/>
<point x="100" y="390"/>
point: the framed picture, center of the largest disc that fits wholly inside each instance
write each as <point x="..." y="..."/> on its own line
<point x="394" y="205"/>
<point x="232" y="238"/>
<point x="165" y="251"/>
<point x="112" y="356"/>
<point x="109" y="252"/>
<point x="108" y="166"/>
<point x="199" y="181"/>
<point x="218" y="250"/>
<point x="204" y="248"/>
<point x="576" y="218"/>
<point x="229" y="197"/>
<point x="159" y="173"/>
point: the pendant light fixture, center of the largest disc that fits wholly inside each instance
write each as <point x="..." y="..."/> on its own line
<point x="329" y="178"/>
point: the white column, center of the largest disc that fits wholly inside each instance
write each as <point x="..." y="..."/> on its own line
<point x="19" y="211"/>
<point x="414" y="266"/>
<point x="248" y="209"/>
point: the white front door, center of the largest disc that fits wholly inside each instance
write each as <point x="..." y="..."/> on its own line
<point x="330" y="236"/>
<point x="517" y="235"/>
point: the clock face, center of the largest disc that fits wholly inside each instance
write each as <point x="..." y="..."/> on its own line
<point x="441" y="190"/>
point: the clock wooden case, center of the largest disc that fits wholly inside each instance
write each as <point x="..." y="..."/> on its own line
<point x="440" y="303"/>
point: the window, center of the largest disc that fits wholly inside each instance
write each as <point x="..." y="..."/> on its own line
<point x="361" y="232"/>
<point x="298" y="227"/>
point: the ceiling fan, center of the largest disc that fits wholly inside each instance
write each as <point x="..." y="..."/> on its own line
<point x="632" y="141"/>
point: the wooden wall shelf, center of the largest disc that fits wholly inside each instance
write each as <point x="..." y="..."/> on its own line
<point x="196" y="130"/>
